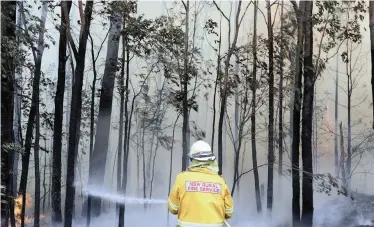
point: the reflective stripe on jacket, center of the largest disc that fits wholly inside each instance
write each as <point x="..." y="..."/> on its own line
<point x="201" y="198"/>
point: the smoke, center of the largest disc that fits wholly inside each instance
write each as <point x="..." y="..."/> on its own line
<point x="337" y="211"/>
<point x="155" y="215"/>
<point x="334" y="214"/>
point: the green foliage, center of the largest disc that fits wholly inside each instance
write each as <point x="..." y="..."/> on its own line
<point x="168" y="48"/>
<point x="335" y="23"/>
<point x="326" y="183"/>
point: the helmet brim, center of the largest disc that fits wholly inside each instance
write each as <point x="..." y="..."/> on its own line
<point x="203" y="157"/>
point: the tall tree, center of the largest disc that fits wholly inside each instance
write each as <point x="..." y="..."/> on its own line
<point x="136" y="36"/>
<point x="8" y="36"/>
<point x="37" y="55"/>
<point x="92" y="113"/>
<point x="307" y="119"/>
<point x="336" y="149"/>
<point x="299" y="10"/>
<point x="122" y="90"/>
<point x="99" y="156"/>
<point x="125" y="148"/>
<point x="271" y="110"/>
<point x="371" y="26"/>
<point x="59" y="107"/>
<point x="280" y="121"/>
<point x="217" y="80"/>
<point x="76" y="114"/>
<point x="171" y="161"/>
<point x="348" y="64"/>
<point x="253" y="116"/>
<point x="36" y="162"/>
<point x="224" y="91"/>
<point x="342" y="154"/>
<point x="184" y="81"/>
<point x="236" y="118"/>
<point x="17" y="125"/>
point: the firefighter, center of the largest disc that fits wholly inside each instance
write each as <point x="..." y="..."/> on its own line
<point x="200" y="197"/>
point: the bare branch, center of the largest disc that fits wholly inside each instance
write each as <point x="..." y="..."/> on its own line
<point x="72" y="45"/>
<point x="219" y="9"/>
<point x="294" y="4"/>
<point x="184" y="4"/>
<point x="241" y="19"/>
<point x="248" y="171"/>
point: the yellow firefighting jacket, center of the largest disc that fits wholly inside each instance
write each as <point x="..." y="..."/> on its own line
<point x="201" y="198"/>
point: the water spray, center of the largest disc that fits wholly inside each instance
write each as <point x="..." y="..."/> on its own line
<point x="121" y="199"/>
<point x="118" y="198"/>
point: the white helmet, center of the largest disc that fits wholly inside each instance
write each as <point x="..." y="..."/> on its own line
<point x="201" y="151"/>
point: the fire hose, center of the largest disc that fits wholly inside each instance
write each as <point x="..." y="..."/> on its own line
<point x="226" y="223"/>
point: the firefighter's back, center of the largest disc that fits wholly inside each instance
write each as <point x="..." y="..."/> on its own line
<point x="203" y="198"/>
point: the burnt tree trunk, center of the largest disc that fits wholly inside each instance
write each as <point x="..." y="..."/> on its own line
<point x="253" y="115"/>
<point x="307" y="120"/>
<point x="37" y="167"/>
<point x="217" y="82"/>
<point x="342" y="155"/>
<point x="280" y="121"/>
<point x="271" y="111"/>
<point x="126" y="140"/>
<point x="336" y="149"/>
<point x="371" y="25"/>
<point x="349" y="109"/>
<point x="45" y="179"/>
<point x="59" y="111"/>
<point x="75" y="116"/>
<point x="37" y="54"/>
<point x="185" y="127"/>
<point x="299" y="10"/>
<point x="122" y="90"/>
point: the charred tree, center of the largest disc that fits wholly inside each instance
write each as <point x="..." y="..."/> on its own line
<point x="299" y="10"/>
<point x="271" y="110"/>
<point x="37" y="55"/>
<point x="37" y="166"/>
<point x="307" y="120"/>
<point x="349" y="110"/>
<point x="371" y="26"/>
<point x="280" y="121"/>
<point x="126" y="140"/>
<point x="217" y="81"/>
<point x="237" y="137"/>
<point x="122" y="90"/>
<point x="253" y="115"/>
<point x="59" y="111"/>
<point x="336" y="149"/>
<point x="75" y="116"/>
<point x="342" y="155"/>
<point x="185" y="127"/>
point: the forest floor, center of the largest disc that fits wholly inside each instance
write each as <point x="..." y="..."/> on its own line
<point x="354" y="211"/>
